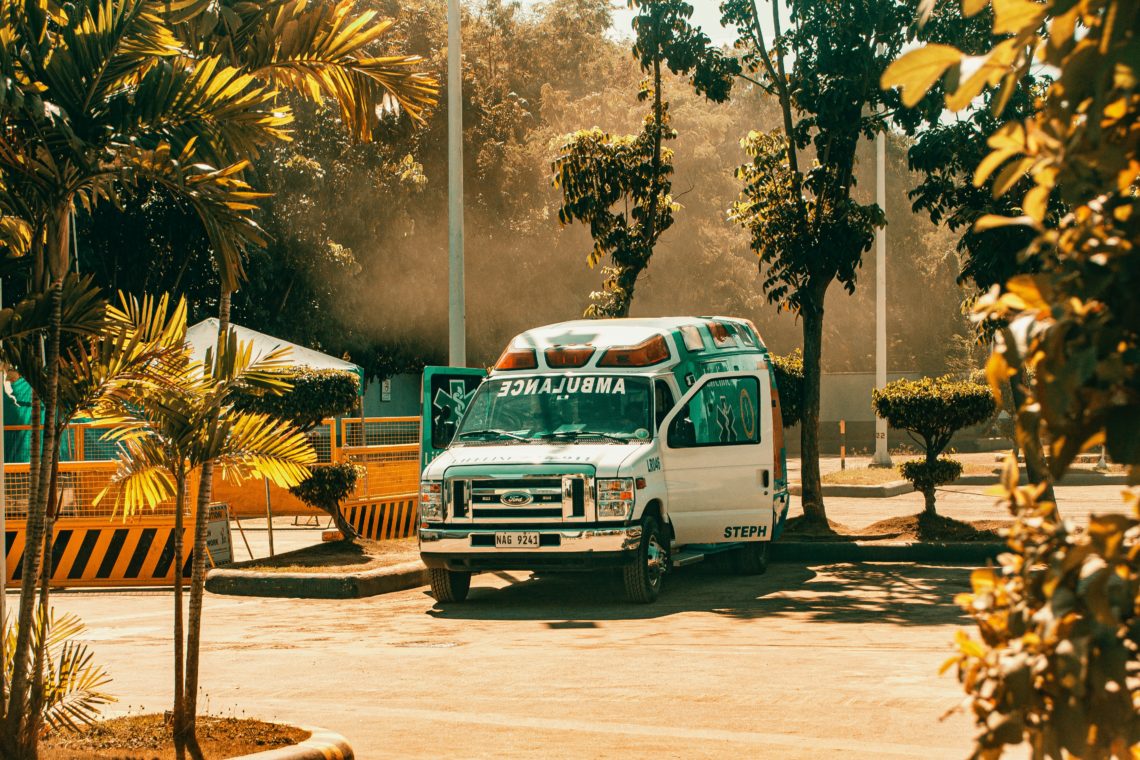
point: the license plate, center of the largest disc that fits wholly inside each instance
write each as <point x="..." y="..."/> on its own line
<point x="516" y="540"/>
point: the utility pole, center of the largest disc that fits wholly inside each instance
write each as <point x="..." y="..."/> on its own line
<point x="457" y="310"/>
<point x="882" y="456"/>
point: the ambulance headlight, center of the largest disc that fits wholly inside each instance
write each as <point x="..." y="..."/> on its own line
<point x="431" y="501"/>
<point x="615" y="498"/>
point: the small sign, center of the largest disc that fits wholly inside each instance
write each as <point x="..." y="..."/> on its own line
<point x="218" y="541"/>
<point x="386" y="390"/>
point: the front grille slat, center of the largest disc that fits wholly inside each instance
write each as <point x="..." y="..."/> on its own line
<point x="548" y="499"/>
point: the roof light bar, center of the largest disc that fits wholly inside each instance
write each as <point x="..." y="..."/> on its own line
<point x="645" y="354"/>
<point x="517" y="359"/>
<point x="564" y="357"/>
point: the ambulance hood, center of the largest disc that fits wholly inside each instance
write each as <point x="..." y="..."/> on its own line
<point x="605" y="458"/>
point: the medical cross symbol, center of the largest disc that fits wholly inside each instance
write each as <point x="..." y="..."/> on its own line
<point x="455" y="401"/>
<point x="726" y="420"/>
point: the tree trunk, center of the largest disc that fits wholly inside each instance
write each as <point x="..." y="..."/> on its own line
<point x="35" y="722"/>
<point x="342" y="524"/>
<point x="179" y="650"/>
<point x="198" y="576"/>
<point x="18" y="720"/>
<point x="812" y="498"/>
<point x="928" y="496"/>
<point x="1035" y="467"/>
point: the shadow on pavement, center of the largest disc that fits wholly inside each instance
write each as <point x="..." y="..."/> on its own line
<point x="893" y="593"/>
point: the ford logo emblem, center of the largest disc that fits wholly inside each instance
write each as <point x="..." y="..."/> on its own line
<point x="516" y="498"/>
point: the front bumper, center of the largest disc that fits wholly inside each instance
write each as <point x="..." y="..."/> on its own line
<point x="561" y="548"/>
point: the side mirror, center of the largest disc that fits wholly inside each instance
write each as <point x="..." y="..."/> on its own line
<point x="682" y="432"/>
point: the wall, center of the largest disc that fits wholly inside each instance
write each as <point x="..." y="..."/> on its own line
<point x="405" y="401"/>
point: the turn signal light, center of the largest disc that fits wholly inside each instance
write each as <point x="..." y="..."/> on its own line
<point x="517" y="359"/>
<point x="645" y="354"/>
<point x="562" y="357"/>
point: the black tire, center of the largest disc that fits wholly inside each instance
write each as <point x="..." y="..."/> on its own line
<point x="449" y="585"/>
<point x="644" y="575"/>
<point x="751" y="559"/>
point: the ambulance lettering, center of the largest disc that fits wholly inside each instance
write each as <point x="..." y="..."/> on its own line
<point x="746" y="531"/>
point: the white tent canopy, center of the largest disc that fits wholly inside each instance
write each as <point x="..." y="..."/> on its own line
<point x="204" y="336"/>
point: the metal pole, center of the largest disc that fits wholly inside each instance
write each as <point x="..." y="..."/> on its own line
<point x="3" y="505"/>
<point x="882" y="456"/>
<point x="457" y="316"/>
<point x="268" y="516"/>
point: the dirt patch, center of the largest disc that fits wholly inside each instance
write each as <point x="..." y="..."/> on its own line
<point x="923" y="527"/>
<point x="918" y="527"/>
<point x="337" y="557"/>
<point x="148" y="737"/>
<point x="875" y="476"/>
<point x="801" y="529"/>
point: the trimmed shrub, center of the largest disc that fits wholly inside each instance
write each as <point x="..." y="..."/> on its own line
<point x="327" y="487"/>
<point x="926" y="476"/>
<point x="932" y="409"/>
<point x="790" y="385"/>
<point x="316" y="394"/>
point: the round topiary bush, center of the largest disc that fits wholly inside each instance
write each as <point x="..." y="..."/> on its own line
<point x="327" y="487"/>
<point x="932" y="409"/>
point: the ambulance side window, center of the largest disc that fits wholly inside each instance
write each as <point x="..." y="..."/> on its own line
<point x="662" y="400"/>
<point x="722" y="413"/>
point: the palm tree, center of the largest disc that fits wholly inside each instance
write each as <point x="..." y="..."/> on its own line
<point x="316" y="50"/>
<point x="169" y="432"/>
<point x="104" y="94"/>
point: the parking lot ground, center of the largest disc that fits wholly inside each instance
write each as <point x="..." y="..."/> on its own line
<point x="808" y="660"/>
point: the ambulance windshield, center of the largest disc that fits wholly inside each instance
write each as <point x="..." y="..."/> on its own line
<point x="570" y="408"/>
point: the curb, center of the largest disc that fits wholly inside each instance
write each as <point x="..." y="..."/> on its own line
<point x="898" y="487"/>
<point x="382" y="580"/>
<point x="881" y="491"/>
<point x="886" y="551"/>
<point x="322" y="745"/>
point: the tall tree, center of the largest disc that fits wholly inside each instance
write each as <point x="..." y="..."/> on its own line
<point x="620" y="186"/>
<point x="804" y="223"/>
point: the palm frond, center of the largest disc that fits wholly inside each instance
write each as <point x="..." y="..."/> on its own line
<point x="72" y="684"/>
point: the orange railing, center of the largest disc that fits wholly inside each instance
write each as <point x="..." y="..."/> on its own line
<point x="389" y="455"/>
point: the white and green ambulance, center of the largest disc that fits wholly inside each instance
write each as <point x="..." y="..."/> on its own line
<point x="640" y="444"/>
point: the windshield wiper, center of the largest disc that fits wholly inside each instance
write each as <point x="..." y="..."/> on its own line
<point x="585" y="434"/>
<point x="494" y="431"/>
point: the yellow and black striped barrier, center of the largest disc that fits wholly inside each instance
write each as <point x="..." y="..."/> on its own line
<point x="94" y="553"/>
<point x="384" y="518"/>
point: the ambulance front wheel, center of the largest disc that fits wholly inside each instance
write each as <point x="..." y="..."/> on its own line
<point x="644" y="574"/>
<point x="751" y="559"/>
<point x="449" y="585"/>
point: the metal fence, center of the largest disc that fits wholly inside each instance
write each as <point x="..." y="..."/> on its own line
<point x="88" y="465"/>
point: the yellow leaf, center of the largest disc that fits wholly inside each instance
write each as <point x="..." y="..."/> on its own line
<point x="1017" y="16"/>
<point x="983" y="580"/>
<point x="1009" y="176"/>
<point x="917" y="71"/>
<point x="993" y="221"/>
<point x="1036" y="202"/>
<point x="998" y="372"/>
<point x="990" y="163"/>
<point x="971" y="7"/>
<point x="1025" y="286"/>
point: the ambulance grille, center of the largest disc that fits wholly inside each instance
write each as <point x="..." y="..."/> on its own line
<point x="537" y="499"/>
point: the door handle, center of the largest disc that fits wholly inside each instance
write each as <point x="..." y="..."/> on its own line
<point x="764" y="478"/>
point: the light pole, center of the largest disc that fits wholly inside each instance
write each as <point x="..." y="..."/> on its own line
<point x="882" y="456"/>
<point x="457" y="316"/>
